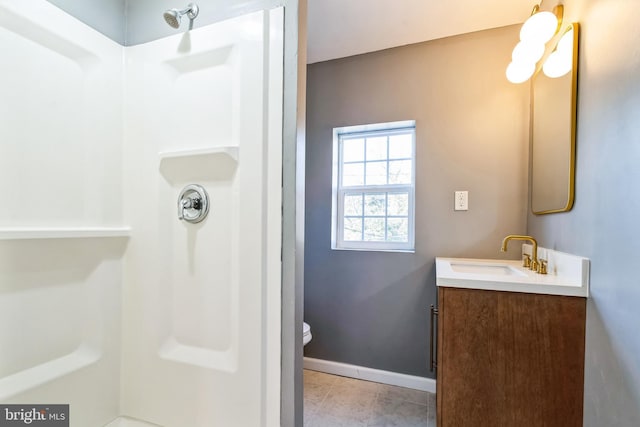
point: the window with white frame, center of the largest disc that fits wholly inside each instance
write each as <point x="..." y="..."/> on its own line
<point x="374" y="187"/>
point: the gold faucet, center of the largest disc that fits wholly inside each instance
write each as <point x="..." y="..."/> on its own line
<point x="534" y="265"/>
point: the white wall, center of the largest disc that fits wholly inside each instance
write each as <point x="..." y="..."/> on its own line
<point x="60" y="180"/>
<point x="202" y="301"/>
<point x="199" y="301"/>
<point x="145" y="23"/>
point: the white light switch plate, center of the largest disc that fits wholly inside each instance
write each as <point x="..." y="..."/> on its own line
<point x="461" y="201"/>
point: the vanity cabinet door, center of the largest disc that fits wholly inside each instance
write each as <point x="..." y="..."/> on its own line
<point x="509" y="359"/>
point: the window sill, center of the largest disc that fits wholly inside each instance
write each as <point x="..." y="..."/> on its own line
<point x="408" y="251"/>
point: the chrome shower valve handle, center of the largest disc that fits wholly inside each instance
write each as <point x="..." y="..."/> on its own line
<point x="193" y="203"/>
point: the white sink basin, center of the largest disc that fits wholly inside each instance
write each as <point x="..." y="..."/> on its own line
<point x="568" y="274"/>
<point x="500" y="269"/>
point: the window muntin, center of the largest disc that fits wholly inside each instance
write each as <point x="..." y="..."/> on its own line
<point x="375" y="189"/>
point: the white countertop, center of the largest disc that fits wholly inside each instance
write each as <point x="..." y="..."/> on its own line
<point x="568" y="274"/>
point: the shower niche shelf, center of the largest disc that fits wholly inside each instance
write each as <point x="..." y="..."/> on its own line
<point x="199" y="164"/>
<point x="26" y="233"/>
<point x="213" y="152"/>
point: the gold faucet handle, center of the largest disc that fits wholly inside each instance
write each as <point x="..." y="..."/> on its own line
<point x="526" y="261"/>
<point x="534" y="265"/>
<point x="542" y="268"/>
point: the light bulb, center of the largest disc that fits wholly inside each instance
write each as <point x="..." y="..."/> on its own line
<point x="528" y="51"/>
<point x="557" y="64"/>
<point x="566" y="42"/>
<point x="520" y="72"/>
<point x="539" y="27"/>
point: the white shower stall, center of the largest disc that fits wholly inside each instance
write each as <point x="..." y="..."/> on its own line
<point x="108" y="301"/>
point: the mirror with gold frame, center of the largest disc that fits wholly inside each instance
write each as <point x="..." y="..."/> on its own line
<point x="553" y="127"/>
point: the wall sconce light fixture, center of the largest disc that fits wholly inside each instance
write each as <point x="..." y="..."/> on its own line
<point x="534" y="34"/>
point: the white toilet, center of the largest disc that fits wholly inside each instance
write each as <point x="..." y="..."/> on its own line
<point x="306" y="333"/>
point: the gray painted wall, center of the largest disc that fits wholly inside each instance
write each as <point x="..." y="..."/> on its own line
<point x="106" y="16"/>
<point x="604" y="220"/>
<point x="371" y="308"/>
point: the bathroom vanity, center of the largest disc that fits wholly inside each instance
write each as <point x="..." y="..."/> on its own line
<point x="510" y="342"/>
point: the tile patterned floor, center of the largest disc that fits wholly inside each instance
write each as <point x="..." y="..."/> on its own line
<point x="333" y="401"/>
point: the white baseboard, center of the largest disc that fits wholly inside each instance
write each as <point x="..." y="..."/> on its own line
<point x="369" y="374"/>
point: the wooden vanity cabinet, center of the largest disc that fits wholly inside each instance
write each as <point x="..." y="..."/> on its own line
<point x="507" y="359"/>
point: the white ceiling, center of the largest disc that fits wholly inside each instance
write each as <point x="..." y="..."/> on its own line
<point x="340" y="28"/>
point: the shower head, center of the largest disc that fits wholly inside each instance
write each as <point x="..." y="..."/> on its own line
<point x="173" y="16"/>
